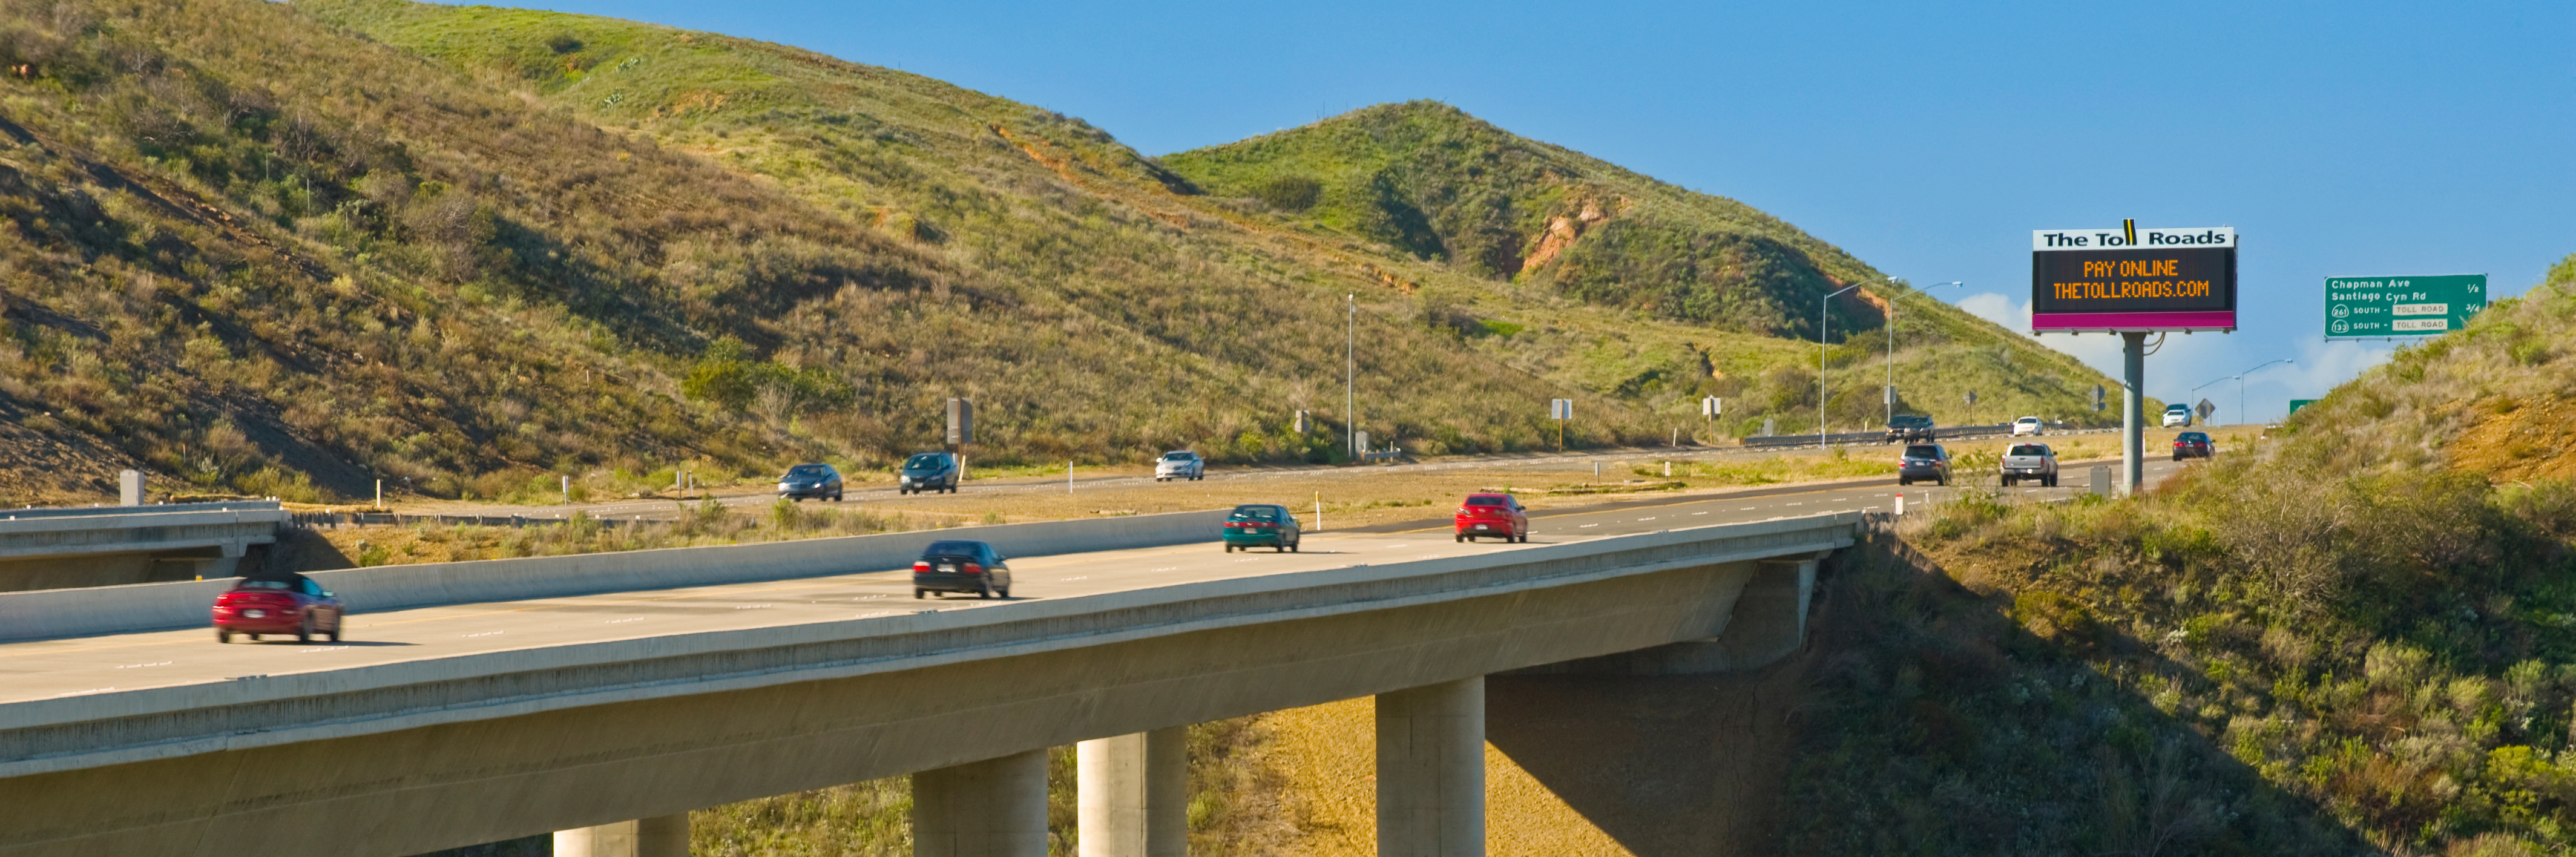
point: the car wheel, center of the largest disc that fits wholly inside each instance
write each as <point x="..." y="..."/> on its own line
<point x="304" y="629"/>
<point x="1229" y="548"/>
<point x="1004" y="592"/>
<point x="836" y="496"/>
<point x="1292" y="546"/>
<point x="1904" y="482"/>
<point x="1460" y="539"/>
<point x="223" y="635"/>
<point x="254" y="637"/>
<point x="984" y="590"/>
<point x="333" y="635"/>
<point x="1278" y="548"/>
<point x="916" y="594"/>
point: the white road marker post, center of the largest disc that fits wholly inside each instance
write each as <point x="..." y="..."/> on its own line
<point x="1319" y="511"/>
<point x="1068" y="477"/>
<point x="1900" y="505"/>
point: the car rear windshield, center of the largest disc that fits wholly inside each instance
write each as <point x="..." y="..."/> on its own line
<point x="2027" y="420"/>
<point x="2177" y="409"/>
<point x="808" y="470"/>
<point x="1484" y="501"/>
<point x="2192" y="435"/>
<point x="1255" y="513"/>
<point x="954" y="549"/>
<point x="1923" y="451"/>
<point x="924" y="461"/>
<point x="2028" y="449"/>
<point x="1909" y="421"/>
<point x="265" y="584"/>
<point x="1179" y="456"/>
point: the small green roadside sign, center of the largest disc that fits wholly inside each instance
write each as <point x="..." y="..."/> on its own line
<point x="2388" y="307"/>
<point x="2296" y="404"/>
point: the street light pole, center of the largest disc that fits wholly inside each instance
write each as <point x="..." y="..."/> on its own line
<point x="1351" y="377"/>
<point x="2239" y="378"/>
<point x="1891" y="343"/>
<point x="1823" y="319"/>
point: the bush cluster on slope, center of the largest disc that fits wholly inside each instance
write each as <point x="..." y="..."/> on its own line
<point x="2339" y="637"/>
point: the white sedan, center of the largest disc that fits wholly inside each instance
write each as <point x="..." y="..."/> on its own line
<point x="1180" y="464"/>
<point x="2028" y="426"/>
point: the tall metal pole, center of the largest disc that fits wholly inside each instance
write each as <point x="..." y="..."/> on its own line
<point x="1350" y="379"/>
<point x="1823" y="318"/>
<point x="2133" y="409"/>
<point x="1890" y="393"/>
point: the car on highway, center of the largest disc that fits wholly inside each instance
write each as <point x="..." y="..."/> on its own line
<point x="2191" y="444"/>
<point x="1923" y="462"/>
<point x="2177" y="414"/>
<point x="2027" y="461"/>
<point x="277" y="604"/>
<point x="1909" y="427"/>
<point x="810" y="480"/>
<point x="927" y="471"/>
<point x="961" y="565"/>
<point x="2031" y="426"/>
<point x="1483" y="515"/>
<point x="1180" y="464"/>
<point x="1261" y="525"/>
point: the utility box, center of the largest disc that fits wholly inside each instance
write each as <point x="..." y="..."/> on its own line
<point x="1359" y="439"/>
<point x="2102" y="481"/>
<point x="961" y="422"/>
<point x="129" y="488"/>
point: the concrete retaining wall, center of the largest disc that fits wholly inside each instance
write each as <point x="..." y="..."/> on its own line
<point x="56" y="613"/>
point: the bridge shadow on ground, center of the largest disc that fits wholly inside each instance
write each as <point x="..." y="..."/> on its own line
<point x="1921" y="718"/>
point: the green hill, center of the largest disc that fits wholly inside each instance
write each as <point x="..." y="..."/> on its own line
<point x="292" y="248"/>
<point x="2354" y="636"/>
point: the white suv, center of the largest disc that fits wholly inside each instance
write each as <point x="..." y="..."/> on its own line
<point x="2177" y="415"/>
<point x="1180" y="464"/>
<point x="2028" y="426"/>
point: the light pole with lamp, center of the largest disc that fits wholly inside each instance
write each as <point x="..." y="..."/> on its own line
<point x="1824" y="320"/>
<point x="1891" y="343"/>
<point x="2239" y="378"/>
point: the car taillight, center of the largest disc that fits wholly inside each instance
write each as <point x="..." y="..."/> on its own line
<point x="972" y="568"/>
<point x="921" y="566"/>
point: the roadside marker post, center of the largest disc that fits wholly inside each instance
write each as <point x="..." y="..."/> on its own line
<point x="1319" y="511"/>
<point x="1900" y="505"/>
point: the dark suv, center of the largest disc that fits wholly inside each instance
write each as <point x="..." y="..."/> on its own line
<point x="1923" y="462"/>
<point x="928" y="471"/>
<point x="810" y="480"/>
<point x="957" y="565"/>
<point x="1909" y="427"/>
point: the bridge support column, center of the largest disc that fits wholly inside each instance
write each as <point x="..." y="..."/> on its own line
<point x="1133" y="791"/>
<point x="992" y="808"/>
<point x="665" y="836"/>
<point x="1431" y="770"/>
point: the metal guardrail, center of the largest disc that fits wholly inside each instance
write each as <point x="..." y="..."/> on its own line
<point x="1852" y="437"/>
<point x="362" y="519"/>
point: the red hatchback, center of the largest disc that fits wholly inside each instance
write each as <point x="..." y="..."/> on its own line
<point x="1484" y="515"/>
<point x="293" y="604"/>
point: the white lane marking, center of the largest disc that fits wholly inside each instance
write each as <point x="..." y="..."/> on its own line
<point x="1169" y="568"/>
<point x="320" y="649"/>
<point x="1699" y="513"/>
<point x="485" y="634"/>
<point x="91" y="690"/>
<point x="752" y="606"/>
<point x="886" y="613"/>
<point x="624" y="621"/>
<point x="1799" y="503"/>
<point x="1745" y="509"/>
<point x="1643" y="520"/>
<point x="152" y="664"/>
<point x="871" y="597"/>
<point x="1587" y="525"/>
<point x="1076" y="577"/>
<point x="1245" y="560"/>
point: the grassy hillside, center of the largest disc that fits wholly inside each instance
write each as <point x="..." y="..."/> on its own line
<point x="290" y="249"/>
<point x="2360" y="634"/>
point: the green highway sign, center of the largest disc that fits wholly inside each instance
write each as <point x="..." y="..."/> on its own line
<point x="2296" y="404"/>
<point x="2386" y="307"/>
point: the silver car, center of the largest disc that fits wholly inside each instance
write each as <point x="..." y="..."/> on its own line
<point x="1180" y="464"/>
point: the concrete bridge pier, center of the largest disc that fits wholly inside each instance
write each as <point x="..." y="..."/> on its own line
<point x="992" y="808"/>
<point x="664" y="836"/>
<point x="1431" y="770"/>
<point x="1133" y="794"/>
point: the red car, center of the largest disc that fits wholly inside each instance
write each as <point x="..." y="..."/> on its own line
<point x="292" y="604"/>
<point x="1492" y="515"/>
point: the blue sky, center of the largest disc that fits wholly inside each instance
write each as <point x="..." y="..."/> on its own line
<point x="1928" y="139"/>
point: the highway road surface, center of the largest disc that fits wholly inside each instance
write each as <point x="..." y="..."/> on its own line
<point x="53" y="668"/>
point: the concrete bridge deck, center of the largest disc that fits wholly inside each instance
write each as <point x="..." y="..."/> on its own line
<point x="456" y="724"/>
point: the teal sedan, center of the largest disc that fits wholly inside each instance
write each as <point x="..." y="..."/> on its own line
<point x="1259" y="525"/>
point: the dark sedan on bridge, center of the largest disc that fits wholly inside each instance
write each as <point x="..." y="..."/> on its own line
<point x="958" y="565"/>
<point x="289" y="604"/>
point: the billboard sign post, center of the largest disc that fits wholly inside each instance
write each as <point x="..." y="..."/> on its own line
<point x="2393" y="307"/>
<point x="2133" y="282"/>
